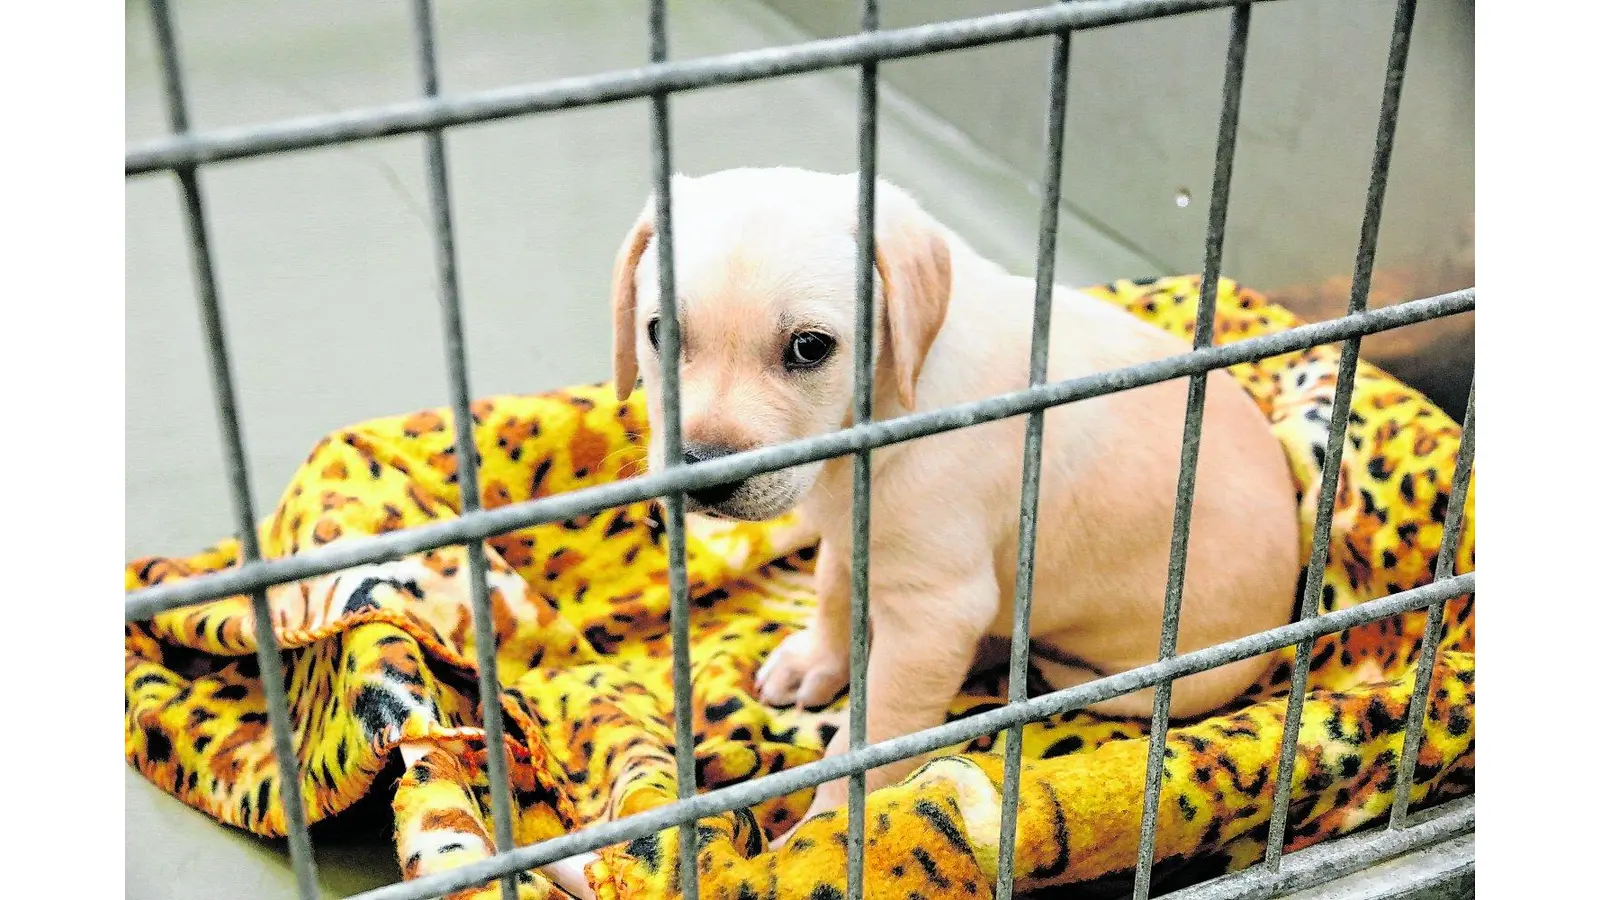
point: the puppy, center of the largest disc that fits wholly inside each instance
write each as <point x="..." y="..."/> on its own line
<point x="765" y="267"/>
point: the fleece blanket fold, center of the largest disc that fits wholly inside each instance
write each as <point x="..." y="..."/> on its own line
<point x="383" y="655"/>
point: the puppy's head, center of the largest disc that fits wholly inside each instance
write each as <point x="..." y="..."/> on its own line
<point x="765" y="271"/>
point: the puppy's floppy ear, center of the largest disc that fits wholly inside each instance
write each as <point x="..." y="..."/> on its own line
<point x="624" y="302"/>
<point x="913" y="261"/>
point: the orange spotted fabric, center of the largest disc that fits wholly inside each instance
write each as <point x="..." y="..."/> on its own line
<point x="382" y="655"/>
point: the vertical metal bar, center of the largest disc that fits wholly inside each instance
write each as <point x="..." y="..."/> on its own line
<point x="268" y="656"/>
<point x="1033" y="442"/>
<point x="1183" y="508"/>
<point x="444" y="251"/>
<point x="861" y="486"/>
<point x="1310" y="601"/>
<point x="672" y="446"/>
<point x="1443" y="567"/>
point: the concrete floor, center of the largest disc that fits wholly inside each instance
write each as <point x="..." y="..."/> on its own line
<point x="327" y="278"/>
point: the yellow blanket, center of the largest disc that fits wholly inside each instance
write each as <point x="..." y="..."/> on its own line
<point x="383" y="654"/>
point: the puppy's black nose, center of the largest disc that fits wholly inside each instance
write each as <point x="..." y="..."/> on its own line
<point x="716" y="493"/>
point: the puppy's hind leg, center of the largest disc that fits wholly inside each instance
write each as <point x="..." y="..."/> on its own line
<point x="1197" y="694"/>
<point x="1061" y="671"/>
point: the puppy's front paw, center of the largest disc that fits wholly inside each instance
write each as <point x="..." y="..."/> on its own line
<point x="803" y="670"/>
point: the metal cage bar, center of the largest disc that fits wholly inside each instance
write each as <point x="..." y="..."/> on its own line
<point x="147" y="602"/>
<point x="590" y="90"/>
<point x="1311" y="600"/>
<point x="1044" y="283"/>
<point x="1189" y="461"/>
<point x="670" y="333"/>
<point x="268" y="657"/>
<point x="1443" y="566"/>
<point x="486" y="642"/>
<point x="861" y="476"/>
<point x="183" y="152"/>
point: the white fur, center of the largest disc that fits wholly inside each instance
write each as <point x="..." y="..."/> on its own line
<point x="762" y="251"/>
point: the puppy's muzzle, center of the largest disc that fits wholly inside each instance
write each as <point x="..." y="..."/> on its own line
<point x="715" y="494"/>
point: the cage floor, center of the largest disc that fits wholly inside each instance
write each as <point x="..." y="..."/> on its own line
<point x="327" y="279"/>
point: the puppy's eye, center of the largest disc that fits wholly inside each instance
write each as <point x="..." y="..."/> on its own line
<point x="807" y="349"/>
<point x="653" y="331"/>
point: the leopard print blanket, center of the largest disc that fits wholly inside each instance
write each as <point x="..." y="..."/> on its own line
<point x="382" y="655"/>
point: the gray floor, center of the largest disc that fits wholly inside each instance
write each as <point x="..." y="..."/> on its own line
<point x="327" y="279"/>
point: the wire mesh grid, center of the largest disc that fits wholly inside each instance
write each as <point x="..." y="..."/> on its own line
<point x="186" y="151"/>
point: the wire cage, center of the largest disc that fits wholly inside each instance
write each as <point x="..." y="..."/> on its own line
<point x="186" y="151"/>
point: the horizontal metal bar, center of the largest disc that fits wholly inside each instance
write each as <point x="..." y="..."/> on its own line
<point x="951" y="733"/>
<point x="1444" y="871"/>
<point x="1328" y="861"/>
<point x="147" y="602"/>
<point x="143" y="604"/>
<point x="588" y="90"/>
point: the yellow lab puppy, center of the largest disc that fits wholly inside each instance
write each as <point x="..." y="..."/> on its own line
<point x="765" y="276"/>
